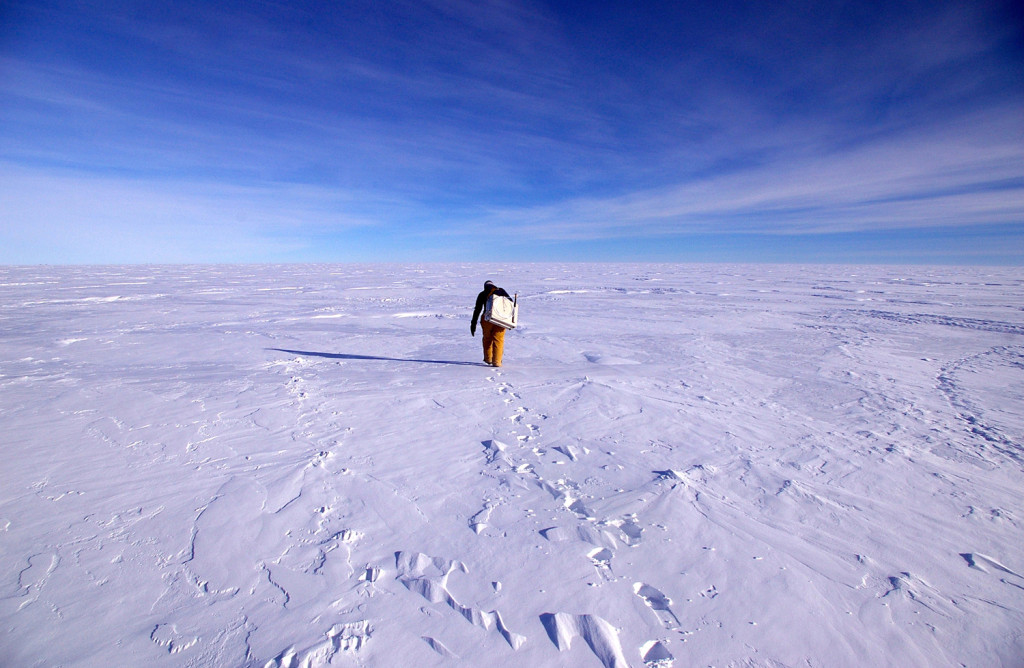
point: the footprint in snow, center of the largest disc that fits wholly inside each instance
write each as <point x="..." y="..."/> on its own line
<point x="602" y="559"/>
<point x="658" y="602"/>
<point x="656" y="655"/>
<point x="571" y="451"/>
<point x="478" y="522"/>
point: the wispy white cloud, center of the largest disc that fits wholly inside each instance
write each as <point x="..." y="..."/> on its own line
<point x="963" y="174"/>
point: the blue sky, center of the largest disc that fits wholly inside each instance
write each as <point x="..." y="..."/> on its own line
<point x="476" y="130"/>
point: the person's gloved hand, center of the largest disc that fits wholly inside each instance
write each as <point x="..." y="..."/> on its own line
<point x="472" y="328"/>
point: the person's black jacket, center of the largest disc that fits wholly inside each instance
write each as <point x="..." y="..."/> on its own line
<point x="481" y="299"/>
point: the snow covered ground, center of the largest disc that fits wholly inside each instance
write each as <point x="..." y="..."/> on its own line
<point x="678" y="465"/>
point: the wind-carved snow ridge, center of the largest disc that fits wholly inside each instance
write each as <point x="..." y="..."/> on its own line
<point x="223" y="535"/>
<point x="428" y="577"/>
<point x="600" y="636"/>
<point x="909" y="587"/>
<point x="167" y="635"/>
<point x="571" y="451"/>
<point x="344" y="638"/>
<point x="440" y="648"/>
<point x="496" y="451"/>
<point x="34" y="575"/>
<point x="983" y="563"/>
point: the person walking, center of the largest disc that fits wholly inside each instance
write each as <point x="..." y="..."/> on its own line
<point x="494" y="335"/>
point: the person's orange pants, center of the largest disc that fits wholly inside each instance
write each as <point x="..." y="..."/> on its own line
<point x="494" y="343"/>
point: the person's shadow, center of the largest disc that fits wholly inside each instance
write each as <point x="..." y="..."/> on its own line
<point x="346" y="356"/>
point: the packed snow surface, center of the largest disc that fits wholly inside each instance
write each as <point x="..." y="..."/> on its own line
<point x="677" y="466"/>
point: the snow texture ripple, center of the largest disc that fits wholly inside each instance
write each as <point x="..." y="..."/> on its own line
<point x="677" y="465"/>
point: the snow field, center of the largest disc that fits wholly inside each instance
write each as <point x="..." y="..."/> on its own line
<point x="678" y="465"/>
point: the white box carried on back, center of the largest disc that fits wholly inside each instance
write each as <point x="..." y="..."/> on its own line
<point x="502" y="311"/>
